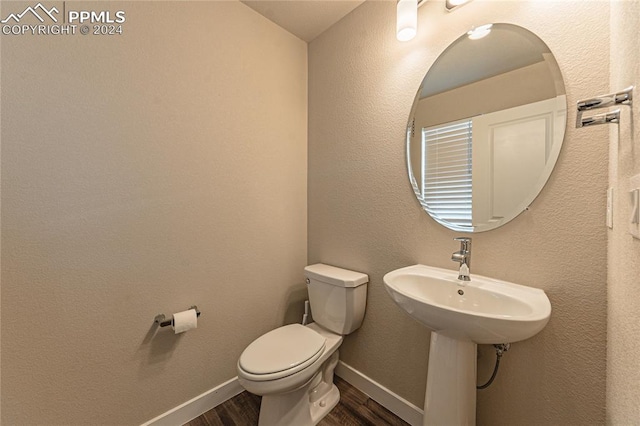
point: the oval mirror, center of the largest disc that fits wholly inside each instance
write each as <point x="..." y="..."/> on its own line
<point x="486" y="128"/>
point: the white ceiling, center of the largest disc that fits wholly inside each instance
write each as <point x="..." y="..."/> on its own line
<point x="306" y="19"/>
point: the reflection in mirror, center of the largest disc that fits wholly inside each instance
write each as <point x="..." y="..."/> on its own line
<point x="486" y="128"/>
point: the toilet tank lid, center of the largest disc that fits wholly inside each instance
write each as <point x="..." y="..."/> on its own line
<point x="335" y="276"/>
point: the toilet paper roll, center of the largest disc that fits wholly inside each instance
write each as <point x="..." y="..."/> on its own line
<point x="184" y="321"/>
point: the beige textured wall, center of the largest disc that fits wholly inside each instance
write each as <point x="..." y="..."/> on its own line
<point x="363" y="214"/>
<point x="445" y="107"/>
<point x="623" y="326"/>
<point x="141" y="174"/>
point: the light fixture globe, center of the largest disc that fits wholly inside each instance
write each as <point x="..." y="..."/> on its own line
<point x="479" y="32"/>
<point x="407" y="19"/>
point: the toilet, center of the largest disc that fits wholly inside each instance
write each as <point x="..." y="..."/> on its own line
<point x="292" y="366"/>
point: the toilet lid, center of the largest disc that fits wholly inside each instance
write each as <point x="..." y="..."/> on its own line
<point x="283" y="351"/>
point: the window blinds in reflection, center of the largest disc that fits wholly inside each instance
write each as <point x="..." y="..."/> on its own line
<point x="446" y="171"/>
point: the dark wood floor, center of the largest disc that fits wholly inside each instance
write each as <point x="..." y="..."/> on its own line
<point x="354" y="409"/>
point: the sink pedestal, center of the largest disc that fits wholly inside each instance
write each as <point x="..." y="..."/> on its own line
<point x="451" y="382"/>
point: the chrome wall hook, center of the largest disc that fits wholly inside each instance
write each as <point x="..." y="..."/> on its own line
<point x="624" y="97"/>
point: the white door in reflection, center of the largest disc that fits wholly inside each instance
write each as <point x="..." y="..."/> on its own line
<point x="473" y="171"/>
<point x="509" y="154"/>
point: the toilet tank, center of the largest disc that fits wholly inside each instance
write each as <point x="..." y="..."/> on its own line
<point x="337" y="297"/>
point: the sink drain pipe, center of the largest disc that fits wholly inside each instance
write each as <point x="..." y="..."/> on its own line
<point x="500" y="349"/>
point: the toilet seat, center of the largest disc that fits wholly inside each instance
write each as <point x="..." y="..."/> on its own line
<point x="281" y="352"/>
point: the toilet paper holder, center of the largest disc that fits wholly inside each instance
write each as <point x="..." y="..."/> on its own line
<point x="163" y="321"/>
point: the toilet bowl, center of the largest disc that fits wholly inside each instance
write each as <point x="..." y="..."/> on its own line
<point x="292" y="366"/>
<point x="284" y="389"/>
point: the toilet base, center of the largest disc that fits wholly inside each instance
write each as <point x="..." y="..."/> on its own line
<point x="305" y="406"/>
<point x="321" y="408"/>
<point x="294" y="408"/>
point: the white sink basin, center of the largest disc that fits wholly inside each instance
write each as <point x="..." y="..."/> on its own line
<point x="483" y="311"/>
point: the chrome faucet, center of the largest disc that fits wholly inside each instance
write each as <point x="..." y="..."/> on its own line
<point x="463" y="257"/>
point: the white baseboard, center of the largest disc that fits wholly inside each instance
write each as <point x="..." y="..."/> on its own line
<point x="191" y="409"/>
<point x="391" y="401"/>
<point x="212" y="398"/>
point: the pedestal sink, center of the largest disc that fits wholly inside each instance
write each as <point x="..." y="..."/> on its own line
<point x="461" y="316"/>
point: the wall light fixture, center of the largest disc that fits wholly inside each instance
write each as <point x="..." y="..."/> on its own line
<point x="407" y="16"/>
<point x="406" y="19"/>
